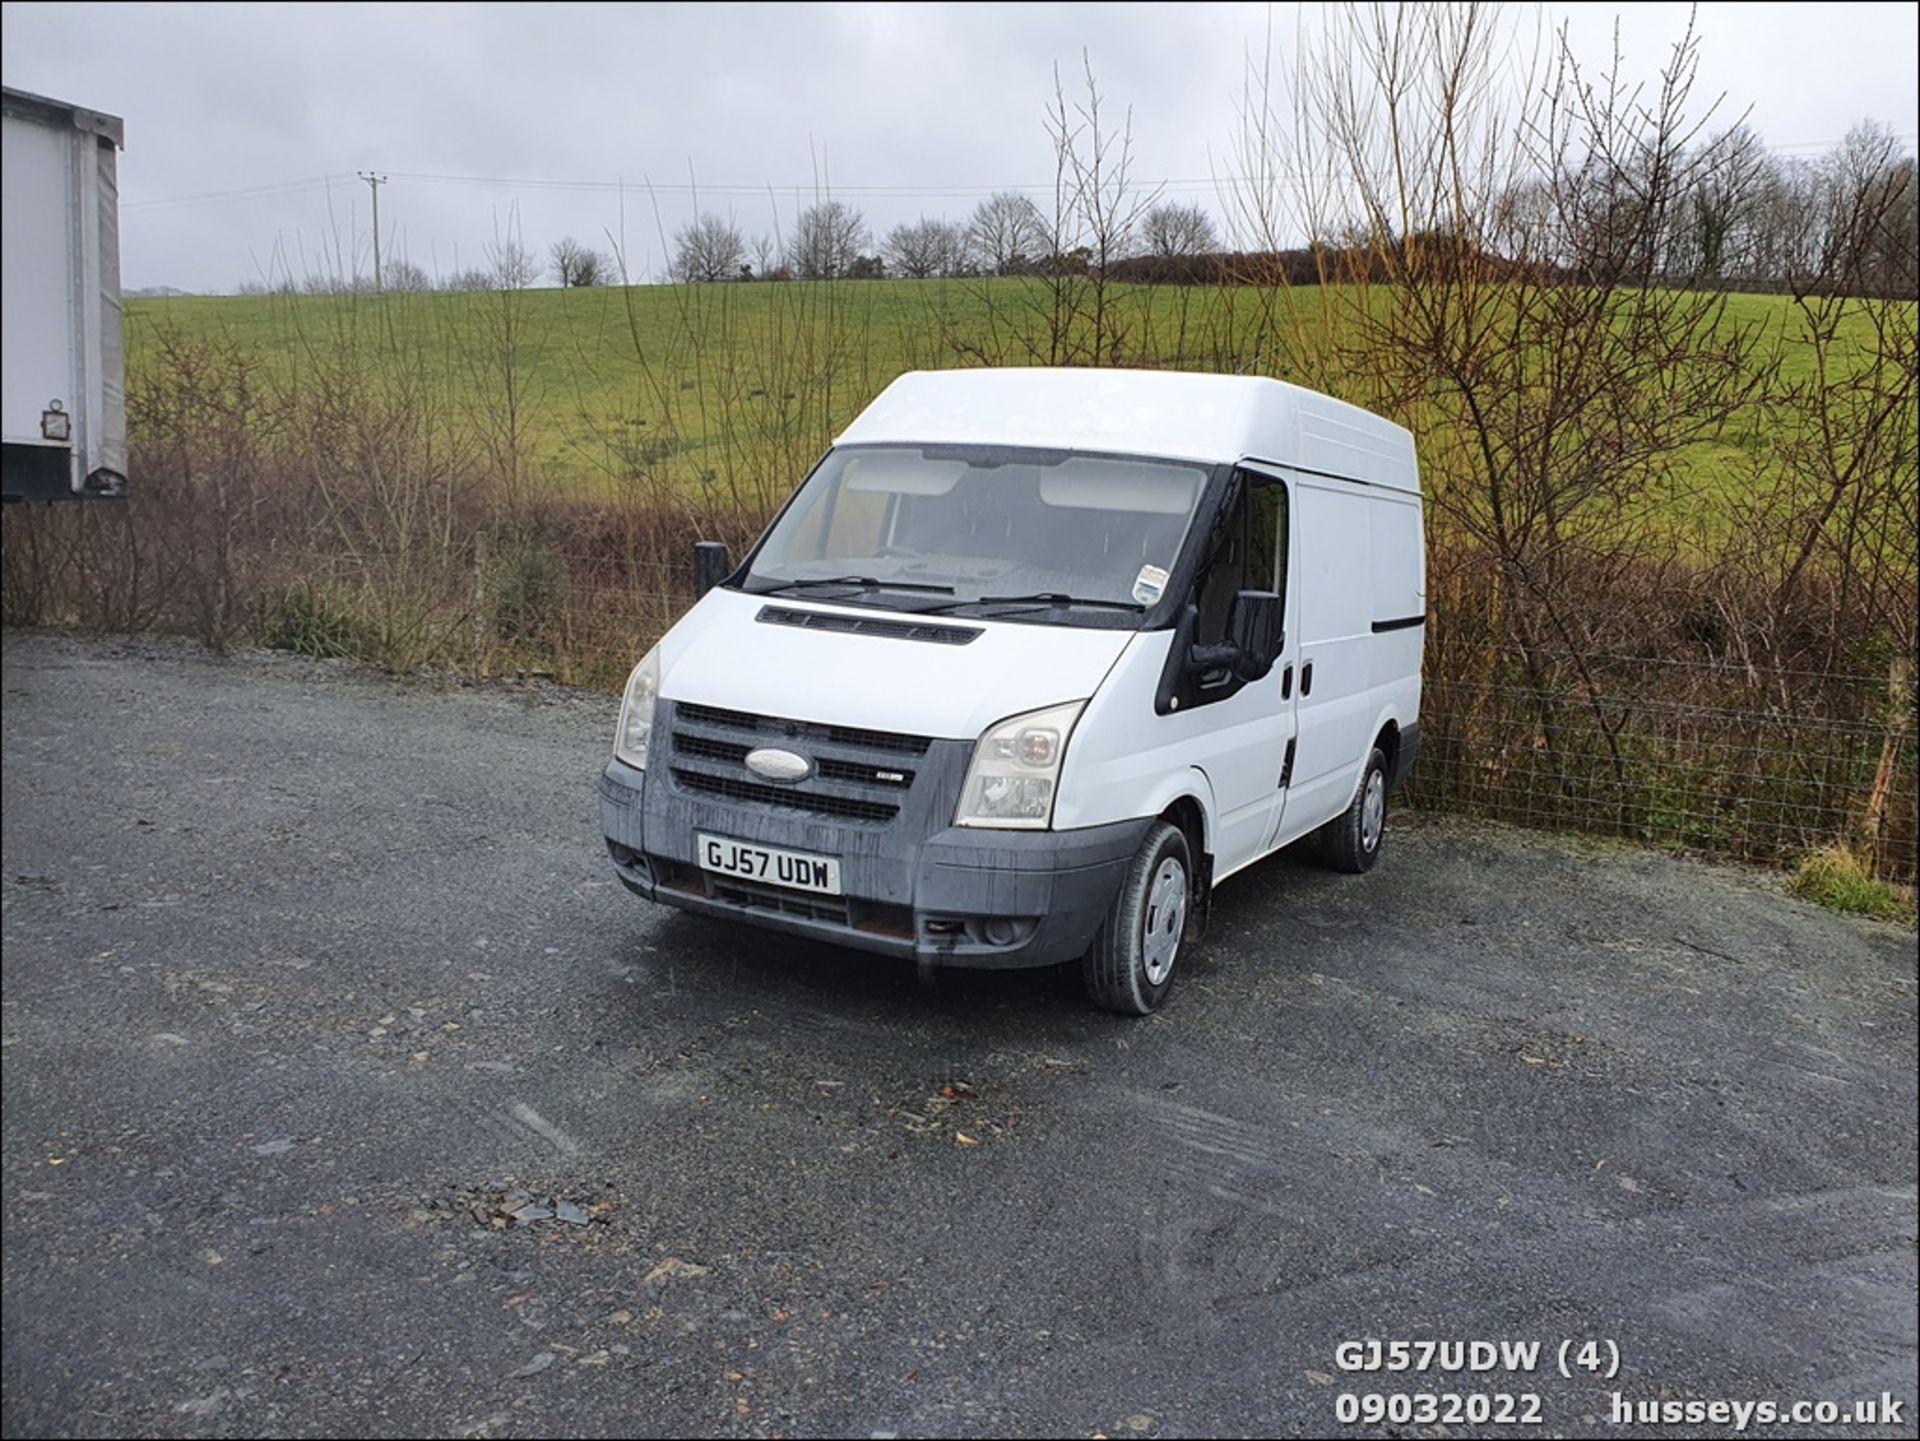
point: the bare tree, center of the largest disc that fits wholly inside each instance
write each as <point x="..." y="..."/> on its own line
<point x="1172" y="230"/>
<point x="405" y="277"/>
<point x="708" y="249"/>
<point x="767" y="262"/>
<point x="1509" y="231"/>
<point x="1864" y="209"/>
<point x="1096" y="221"/>
<point x="498" y="346"/>
<point x="828" y="240"/>
<point x="511" y="264"/>
<point x="1712" y="224"/>
<point x="574" y="264"/>
<point x="1007" y="233"/>
<point x="922" y="249"/>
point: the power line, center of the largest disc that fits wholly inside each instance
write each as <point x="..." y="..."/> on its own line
<point x="687" y="187"/>
<point x="270" y="190"/>
<point x="1176" y="184"/>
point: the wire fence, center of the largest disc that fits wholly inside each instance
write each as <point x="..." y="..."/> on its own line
<point x="1704" y="756"/>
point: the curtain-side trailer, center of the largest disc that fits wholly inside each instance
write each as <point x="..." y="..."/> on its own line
<point x="63" y="410"/>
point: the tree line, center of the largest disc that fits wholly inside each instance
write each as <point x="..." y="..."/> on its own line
<point x="1007" y="234"/>
<point x="1752" y="220"/>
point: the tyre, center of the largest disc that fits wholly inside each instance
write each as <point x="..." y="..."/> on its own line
<point x="1130" y="966"/>
<point x="1351" y="840"/>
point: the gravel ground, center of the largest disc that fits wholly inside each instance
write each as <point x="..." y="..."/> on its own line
<point x="318" y="993"/>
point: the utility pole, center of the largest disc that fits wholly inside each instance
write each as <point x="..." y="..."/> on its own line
<point x="374" y="182"/>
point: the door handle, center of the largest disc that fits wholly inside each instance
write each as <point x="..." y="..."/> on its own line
<point x="1306" y="679"/>
<point x="1286" y="682"/>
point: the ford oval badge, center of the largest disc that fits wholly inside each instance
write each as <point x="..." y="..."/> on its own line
<point x="778" y="765"/>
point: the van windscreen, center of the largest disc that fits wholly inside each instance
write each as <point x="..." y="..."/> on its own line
<point x="980" y="523"/>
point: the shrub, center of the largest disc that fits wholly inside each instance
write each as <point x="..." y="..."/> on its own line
<point x="526" y="590"/>
<point x="1834" y="877"/>
<point x="307" y="621"/>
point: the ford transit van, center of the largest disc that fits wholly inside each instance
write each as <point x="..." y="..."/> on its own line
<point x="1030" y="663"/>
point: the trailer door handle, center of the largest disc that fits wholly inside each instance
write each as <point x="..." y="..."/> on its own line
<point x="1286" y="682"/>
<point x="1306" y="679"/>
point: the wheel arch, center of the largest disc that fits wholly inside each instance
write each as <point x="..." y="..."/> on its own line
<point x="1190" y="815"/>
<point x="1387" y="739"/>
<point x="1386" y="735"/>
<point x="1186" y="800"/>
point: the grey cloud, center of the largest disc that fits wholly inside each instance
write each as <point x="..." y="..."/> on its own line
<point x="879" y="99"/>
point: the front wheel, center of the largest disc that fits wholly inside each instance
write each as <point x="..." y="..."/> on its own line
<point x="1131" y="963"/>
<point x="1351" y="840"/>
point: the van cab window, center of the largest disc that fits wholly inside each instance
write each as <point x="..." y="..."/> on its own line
<point x="1038" y="534"/>
<point x="1250" y="554"/>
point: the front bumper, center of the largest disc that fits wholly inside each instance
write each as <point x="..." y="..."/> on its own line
<point x="959" y="896"/>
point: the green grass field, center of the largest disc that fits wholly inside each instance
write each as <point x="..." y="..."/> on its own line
<point x="744" y="385"/>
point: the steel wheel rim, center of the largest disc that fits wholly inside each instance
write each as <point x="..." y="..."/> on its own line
<point x="1164" y="921"/>
<point x="1373" y="810"/>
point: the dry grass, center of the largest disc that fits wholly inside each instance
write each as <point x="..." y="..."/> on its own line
<point x="1835" y="878"/>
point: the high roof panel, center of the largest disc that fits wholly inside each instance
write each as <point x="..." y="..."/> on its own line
<point x="1174" y="414"/>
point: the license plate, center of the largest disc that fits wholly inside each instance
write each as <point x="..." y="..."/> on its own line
<point x="797" y="869"/>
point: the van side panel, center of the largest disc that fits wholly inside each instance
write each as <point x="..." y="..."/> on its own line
<point x="1335" y="557"/>
<point x="1399" y="569"/>
<point x="1399" y="596"/>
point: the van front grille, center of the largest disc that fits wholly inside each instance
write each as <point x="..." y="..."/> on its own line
<point x="865" y="773"/>
<point x="791" y="798"/>
<point x="856" y="774"/>
<point x="773" y="730"/>
<point x="709" y="750"/>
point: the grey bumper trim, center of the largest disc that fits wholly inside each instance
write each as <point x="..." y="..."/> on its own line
<point x="1409" y="752"/>
<point x="978" y="898"/>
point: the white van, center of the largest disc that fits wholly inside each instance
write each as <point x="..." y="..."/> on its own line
<point x="1031" y="662"/>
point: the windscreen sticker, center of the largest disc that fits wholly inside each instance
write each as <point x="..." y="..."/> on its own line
<point x="1150" y="584"/>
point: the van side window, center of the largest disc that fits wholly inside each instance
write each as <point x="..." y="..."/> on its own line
<point x="1251" y="555"/>
<point x="1267" y="524"/>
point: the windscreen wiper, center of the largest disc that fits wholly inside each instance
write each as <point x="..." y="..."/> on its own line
<point x="859" y="582"/>
<point x="1058" y="599"/>
<point x="1039" y="599"/>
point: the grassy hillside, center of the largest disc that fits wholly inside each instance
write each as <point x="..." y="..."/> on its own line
<point x="742" y="385"/>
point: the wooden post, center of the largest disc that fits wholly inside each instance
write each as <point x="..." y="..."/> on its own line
<point x="480" y="603"/>
<point x="1899" y="720"/>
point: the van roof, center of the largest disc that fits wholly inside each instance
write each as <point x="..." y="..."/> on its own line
<point x="1177" y="415"/>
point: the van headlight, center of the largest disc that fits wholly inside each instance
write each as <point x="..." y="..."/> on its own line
<point x="636" y="712"/>
<point x="1016" y="770"/>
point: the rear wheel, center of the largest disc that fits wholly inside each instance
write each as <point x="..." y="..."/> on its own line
<point x="1130" y="966"/>
<point x="1351" y="840"/>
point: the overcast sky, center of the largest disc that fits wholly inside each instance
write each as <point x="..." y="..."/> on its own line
<point x="903" y="108"/>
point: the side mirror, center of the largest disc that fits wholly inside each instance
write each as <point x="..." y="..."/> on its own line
<point x="1253" y="629"/>
<point x="711" y="565"/>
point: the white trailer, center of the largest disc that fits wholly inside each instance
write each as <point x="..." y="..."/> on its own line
<point x="63" y="410"/>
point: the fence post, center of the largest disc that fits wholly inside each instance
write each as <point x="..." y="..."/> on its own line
<point x="480" y="603"/>
<point x="1899" y="686"/>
